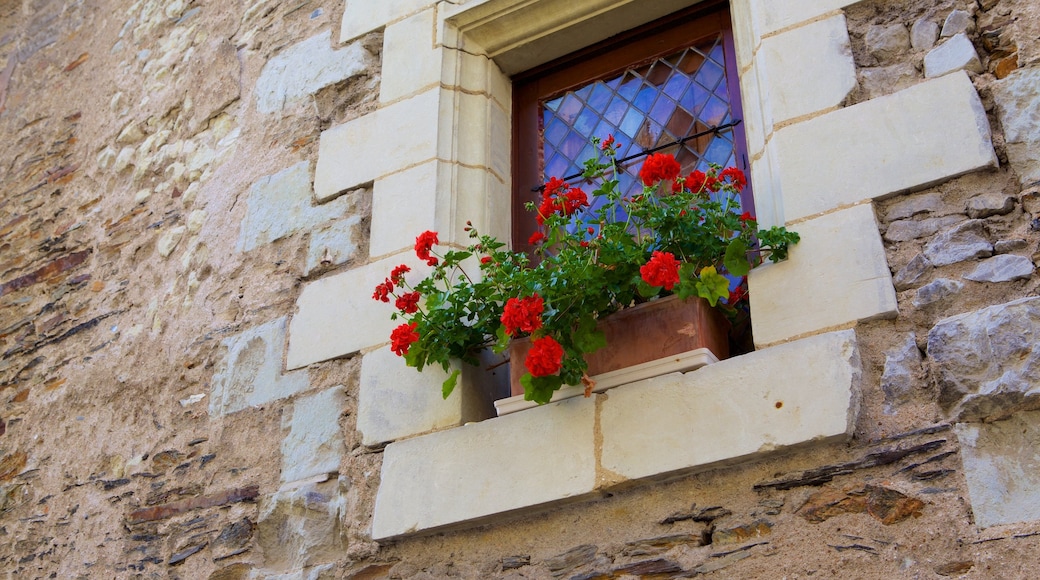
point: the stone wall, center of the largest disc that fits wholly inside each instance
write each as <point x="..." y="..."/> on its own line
<point x="168" y="217"/>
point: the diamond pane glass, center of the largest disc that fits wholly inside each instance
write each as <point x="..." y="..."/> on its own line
<point x="645" y="107"/>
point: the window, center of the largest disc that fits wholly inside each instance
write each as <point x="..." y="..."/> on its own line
<point x="651" y="87"/>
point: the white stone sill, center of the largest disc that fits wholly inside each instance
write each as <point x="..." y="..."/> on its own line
<point x="681" y="363"/>
<point x="794" y="394"/>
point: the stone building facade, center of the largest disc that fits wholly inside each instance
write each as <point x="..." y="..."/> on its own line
<point x="197" y="199"/>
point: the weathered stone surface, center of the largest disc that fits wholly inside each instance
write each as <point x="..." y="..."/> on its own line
<point x="957" y="22"/>
<point x="334" y="243"/>
<point x="12" y="464"/>
<point x="478" y="470"/>
<point x="1002" y="469"/>
<point x="937" y="290"/>
<point x="923" y="34"/>
<point x="988" y="361"/>
<point x="301" y="526"/>
<point x="314" y="445"/>
<point x="214" y="78"/>
<point x="967" y="241"/>
<point x="887" y="41"/>
<point x="234" y="538"/>
<point x="884" y="80"/>
<point x="884" y="504"/>
<point x="571" y="559"/>
<point x="902" y="368"/>
<point x="1006" y="246"/>
<point x="239" y="571"/>
<point x="359" y="18"/>
<point x="1019" y="107"/>
<point x="955" y="568"/>
<point x="653" y="546"/>
<point x="912" y="273"/>
<point x="986" y="205"/>
<point x="1002" y="268"/>
<point x="957" y="53"/>
<point x="206" y="501"/>
<point x="649" y="568"/>
<point x="251" y="373"/>
<point x="898" y="132"/>
<point x="303" y="68"/>
<point x="767" y="398"/>
<point x="911" y="229"/>
<point x="168" y="241"/>
<point x="741" y="534"/>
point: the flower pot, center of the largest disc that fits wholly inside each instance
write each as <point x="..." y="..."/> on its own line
<point x="650" y="339"/>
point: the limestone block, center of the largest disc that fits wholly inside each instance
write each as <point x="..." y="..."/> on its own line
<point x="301" y="526"/>
<point x="390" y="139"/>
<point x="363" y="16"/>
<point x="957" y="22"/>
<point x="809" y="68"/>
<point x="933" y="131"/>
<point x="305" y="67"/>
<point x="987" y="360"/>
<point x="395" y="401"/>
<point x="923" y="34"/>
<point x="314" y="445"/>
<point x="251" y="372"/>
<point x="336" y="315"/>
<point x="799" y="296"/>
<point x="280" y="205"/>
<point x="734" y="408"/>
<point x="957" y="53"/>
<point x="334" y="243"/>
<point x="1002" y="469"/>
<point x="1019" y="107"/>
<point x="519" y="461"/>
<point x="758" y="113"/>
<point x="772" y="15"/>
<point x="404" y="205"/>
<point x="411" y="61"/>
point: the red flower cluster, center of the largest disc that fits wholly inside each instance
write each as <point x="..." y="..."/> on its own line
<point x="397" y="274"/>
<point x="607" y="143"/>
<point x="402" y="337"/>
<point x="408" y="302"/>
<point x="661" y="270"/>
<point x="523" y="314"/>
<point x="383" y="290"/>
<point x="695" y="182"/>
<point x="423" y="243"/>
<point x="545" y="357"/>
<point x="736" y="177"/>
<point x="536" y="238"/>
<point x="659" y="167"/>
<point x="558" y="197"/>
<point x="746" y="216"/>
<point x="737" y="295"/>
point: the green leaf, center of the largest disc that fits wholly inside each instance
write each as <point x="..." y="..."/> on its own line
<point x="645" y="290"/>
<point x="503" y="340"/>
<point x="449" y="385"/>
<point x="540" y="389"/>
<point x="736" y="258"/>
<point x="587" y="338"/>
<point x="712" y="286"/>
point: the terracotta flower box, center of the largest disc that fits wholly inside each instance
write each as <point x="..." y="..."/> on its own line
<point x="651" y="339"/>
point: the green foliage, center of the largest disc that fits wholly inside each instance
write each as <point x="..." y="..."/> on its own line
<point x="589" y="264"/>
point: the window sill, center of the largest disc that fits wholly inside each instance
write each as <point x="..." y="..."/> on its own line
<point x="578" y="448"/>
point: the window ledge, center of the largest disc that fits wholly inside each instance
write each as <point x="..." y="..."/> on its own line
<point x="671" y="425"/>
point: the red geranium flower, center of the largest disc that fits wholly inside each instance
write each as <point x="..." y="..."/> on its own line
<point x="523" y="314"/>
<point x="661" y="270"/>
<point x="545" y="357"/>
<point x="607" y="143"/>
<point x="559" y="198"/>
<point x="552" y="186"/>
<point x="423" y="243"/>
<point x="536" y="238"/>
<point x="397" y="274"/>
<point x="736" y="177"/>
<point x="408" y="302"/>
<point x="659" y="167"/>
<point x="383" y="290"/>
<point x="746" y="216"/>
<point x="485" y="260"/>
<point x="402" y="337"/>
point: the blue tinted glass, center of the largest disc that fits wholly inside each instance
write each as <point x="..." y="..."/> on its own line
<point x="586" y="121"/>
<point x="645" y="99"/>
<point x="632" y="122"/>
<point x="710" y="74"/>
<point x="554" y="131"/>
<point x="600" y="97"/>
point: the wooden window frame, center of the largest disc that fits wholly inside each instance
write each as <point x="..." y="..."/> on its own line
<point x="612" y="56"/>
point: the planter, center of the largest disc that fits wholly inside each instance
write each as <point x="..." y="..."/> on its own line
<point x="651" y="339"/>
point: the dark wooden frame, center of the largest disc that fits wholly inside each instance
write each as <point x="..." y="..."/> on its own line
<point x="612" y="56"/>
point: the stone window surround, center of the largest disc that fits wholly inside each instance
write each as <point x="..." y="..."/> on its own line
<point x="580" y="448"/>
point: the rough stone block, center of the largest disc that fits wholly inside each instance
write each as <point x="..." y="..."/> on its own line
<point x="303" y="68"/>
<point x="301" y="526"/>
<point x="799" y="296"/>
<point x="923" y="34"/>
<point x="887" y="41"/>
<point x="1019" y="106"/>
<point x="937" y="290"/>
<point x="336" y="315"/>
<point x="809" y="68"/>
<point x="966" y="241"/>
<point x="390" y="139"/>
<point x="314" y="445"/>
<point x="987" y="360"/>
<point x="411" y="61"/>
<point x="363" y="16"/>
<point x="1002" y="268"/>
<point x="1002" y="469"/>
<point x="395" y="401"/>
<point x="251" y="373"/>
<point x="334" y="243"/>
<point x="465" y="474"/>
<point x="957" y="53"/>
<point x="902" y="371"/>
<point x="925" y="134"/>
<point x="734" y="408"/>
